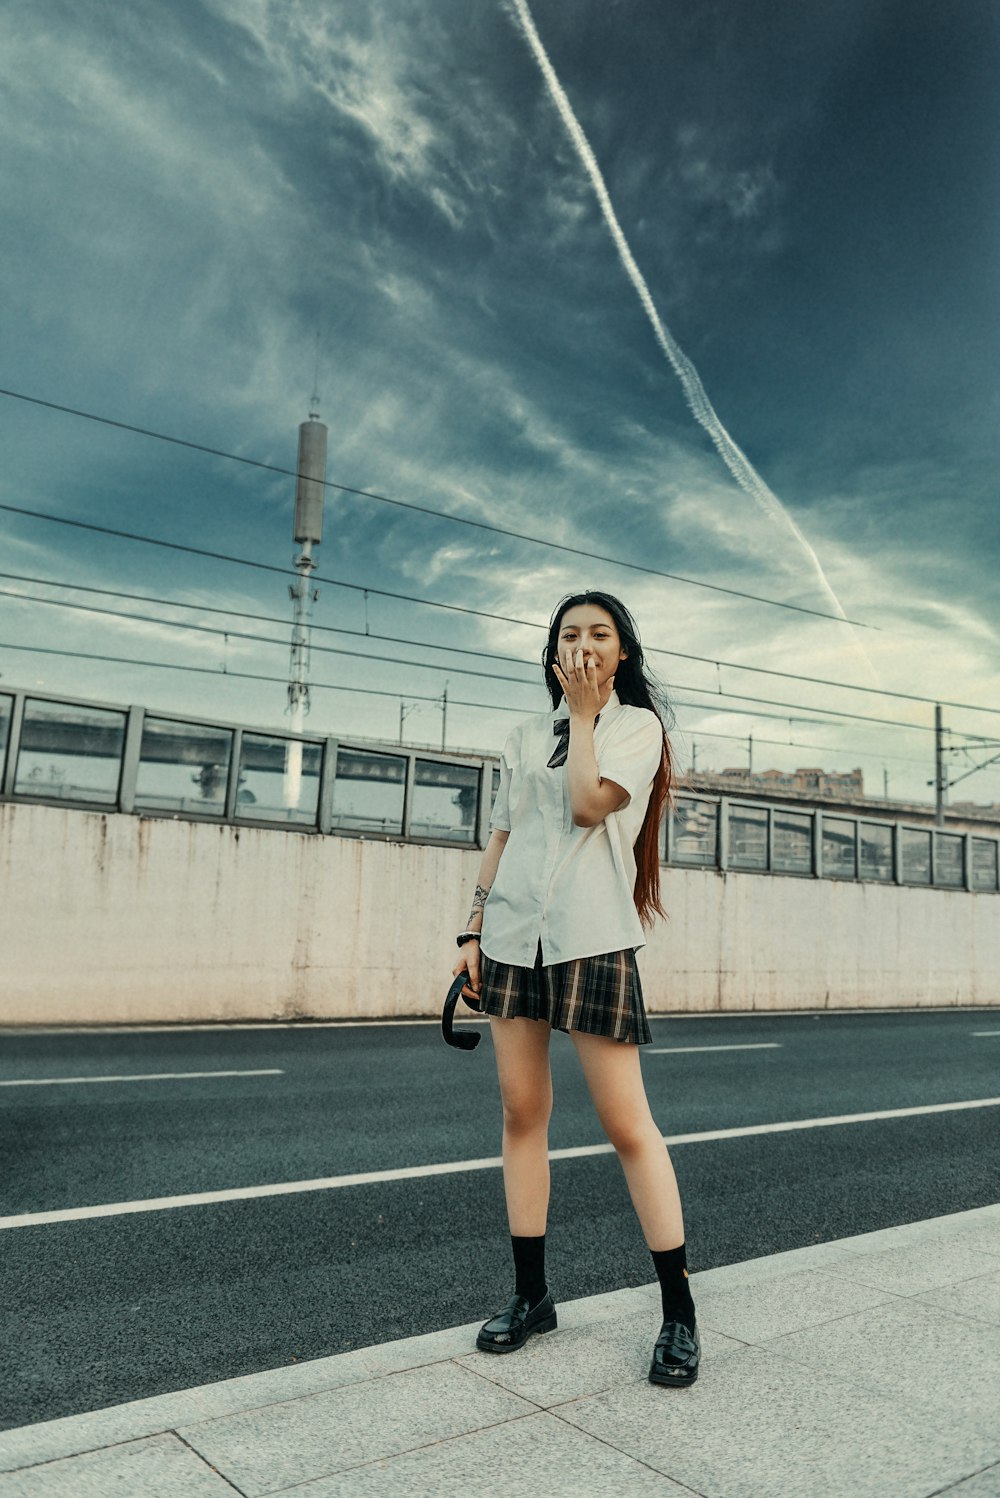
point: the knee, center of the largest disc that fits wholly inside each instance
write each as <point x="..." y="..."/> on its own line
<point x="526" y="1114"/>
<point x="631" y="1136"/>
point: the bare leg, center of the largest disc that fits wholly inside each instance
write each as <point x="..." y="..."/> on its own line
<point x="522" y="1054"/>
<point x="614" y="1078"/>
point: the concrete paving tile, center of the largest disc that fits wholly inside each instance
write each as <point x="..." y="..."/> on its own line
<point x="945" y="1362"/>
<point x="978" y="1298"/>
<point x="569" y="1362"/>
<point x="985" y="1238"/>
<point x="158" y="1467"/>
<point x="275" y="1447"/>
<point x="908" y="1234"/>
<point x="50" y="1440"/>
<point x="984" y="1484"/>
<point x="538" y="1456"/>
<point x="866" y="1243"/>
<point x="768" y="1308"/>
<point x="611" y="1306"/>
<point x="909" y="1271"/>
<point x="772" y="1266"/>
<point x="757" y="1427"/>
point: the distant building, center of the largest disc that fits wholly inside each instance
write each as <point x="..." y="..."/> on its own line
<point x="808" y="781"/>
<point x="977" y="808"/>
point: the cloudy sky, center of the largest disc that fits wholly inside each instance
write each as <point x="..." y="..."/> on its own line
<point x="199" y="193"/>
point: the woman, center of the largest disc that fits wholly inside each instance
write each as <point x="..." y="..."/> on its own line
<point x="568" y="880"/>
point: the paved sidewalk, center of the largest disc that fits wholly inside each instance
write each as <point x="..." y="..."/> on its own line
<point x="870" y="1366"/>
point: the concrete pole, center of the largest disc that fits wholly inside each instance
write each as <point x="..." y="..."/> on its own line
<point x="298" y="688"/>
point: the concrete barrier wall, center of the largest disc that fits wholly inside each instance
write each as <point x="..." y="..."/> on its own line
<point x="106" y="918"/>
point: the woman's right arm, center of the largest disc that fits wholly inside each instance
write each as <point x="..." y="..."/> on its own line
<point x="468" y="959"/>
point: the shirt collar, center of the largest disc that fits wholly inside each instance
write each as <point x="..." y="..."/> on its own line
<point x="562" y="711"/>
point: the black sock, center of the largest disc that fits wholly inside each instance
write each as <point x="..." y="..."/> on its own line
<point x="529" y="1266"/>
<point x="671" y="1271"/>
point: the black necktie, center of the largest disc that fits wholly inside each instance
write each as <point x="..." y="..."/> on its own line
<point x="561" y="729"/>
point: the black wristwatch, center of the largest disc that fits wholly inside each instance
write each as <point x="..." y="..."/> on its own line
<point x="467" y="936"/>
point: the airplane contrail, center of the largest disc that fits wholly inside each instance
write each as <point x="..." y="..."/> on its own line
<point x="701" y="407"/>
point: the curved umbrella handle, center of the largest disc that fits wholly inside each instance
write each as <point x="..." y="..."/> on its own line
<point x="464" y="1041"/>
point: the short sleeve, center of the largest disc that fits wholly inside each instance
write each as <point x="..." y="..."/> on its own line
<point x="632" y="756"/>
<point x="500" y="816"/>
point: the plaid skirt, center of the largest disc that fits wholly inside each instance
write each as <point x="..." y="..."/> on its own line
<point x="600" y="995"/>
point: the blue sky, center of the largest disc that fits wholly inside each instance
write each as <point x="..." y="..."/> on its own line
<point x="195" y="192"/>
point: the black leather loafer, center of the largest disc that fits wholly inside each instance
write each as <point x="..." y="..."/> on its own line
<point x="510" y="1328"/>
<point x="676" y="1355"/>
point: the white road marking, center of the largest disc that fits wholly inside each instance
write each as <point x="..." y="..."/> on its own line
<point x="986" y="1032"/>
<point x="453" y="1167"/>
<point x="679" y="1050"/>
<point x="151" y="1076"/>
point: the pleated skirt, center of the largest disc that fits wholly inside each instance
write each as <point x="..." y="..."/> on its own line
<point x="600" y="995"/>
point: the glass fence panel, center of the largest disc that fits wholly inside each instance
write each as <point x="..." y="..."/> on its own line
<point x="747" y="837"/>
<point x="368" y="792"/>
<point x="839" y="861"/>
<point x="279" y="780"/>
<point x="70" y="753"/>
<point x="695" y="831"/>
<point x="948" y="860"/>
<point x="445" y="801"/>
<point x="183" y="767"/>
<point x="876" y="850"/>
<point x="984" y="854"/>
<point x="6" y="708"/>
<point x="915" y="854"/>
<point x="791" y="848"/>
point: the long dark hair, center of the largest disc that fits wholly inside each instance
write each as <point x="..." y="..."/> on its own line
<point x="635" y="688"/>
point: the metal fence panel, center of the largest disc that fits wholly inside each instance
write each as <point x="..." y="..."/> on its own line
<point x="67" y="755"/>
<point x="747" y="836"/>
<point x="88" y="754"/>
<point x="985" y="856"/>
<point x="369" y="791"/>
<point x="183" y="767"/>
<point x="445" y="801"/>
<point x="278" y="779"/>
<point x="915" y="853"/>
<point x="875" y="848"/>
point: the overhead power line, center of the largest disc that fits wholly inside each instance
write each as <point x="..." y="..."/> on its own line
<point x="395" y="660"/>
<point x="339" y="650"/>
<point x="319" y="686"/>
<point x="403" y="504"/>
<point x="741" y="738"/>
<point x="461" y="650"/>
<point x="695" y="733"/>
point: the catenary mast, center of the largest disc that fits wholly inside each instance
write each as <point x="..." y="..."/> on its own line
<point x="308" y="532"/>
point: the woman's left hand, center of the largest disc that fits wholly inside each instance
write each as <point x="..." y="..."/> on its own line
<point x="578" y="680"/>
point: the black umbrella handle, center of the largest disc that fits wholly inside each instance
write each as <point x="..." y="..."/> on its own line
<point x="464" y="1041"/>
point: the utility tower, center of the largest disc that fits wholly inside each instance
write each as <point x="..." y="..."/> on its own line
<point x="308" y="532"/>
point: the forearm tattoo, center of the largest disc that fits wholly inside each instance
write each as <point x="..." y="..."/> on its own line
<point x="478" y="901"/>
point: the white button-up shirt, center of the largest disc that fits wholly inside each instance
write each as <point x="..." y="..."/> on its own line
<point x="569" y="887"/>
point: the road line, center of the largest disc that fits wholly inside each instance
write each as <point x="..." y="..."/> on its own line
<point x="681" y="1050"/>
<point x="986" y="1032"/>
<point x="151" y="1076"/>
<point x="454" y="1167"/>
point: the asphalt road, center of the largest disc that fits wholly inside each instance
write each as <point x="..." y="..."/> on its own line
<point x="100" y="1311"/>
